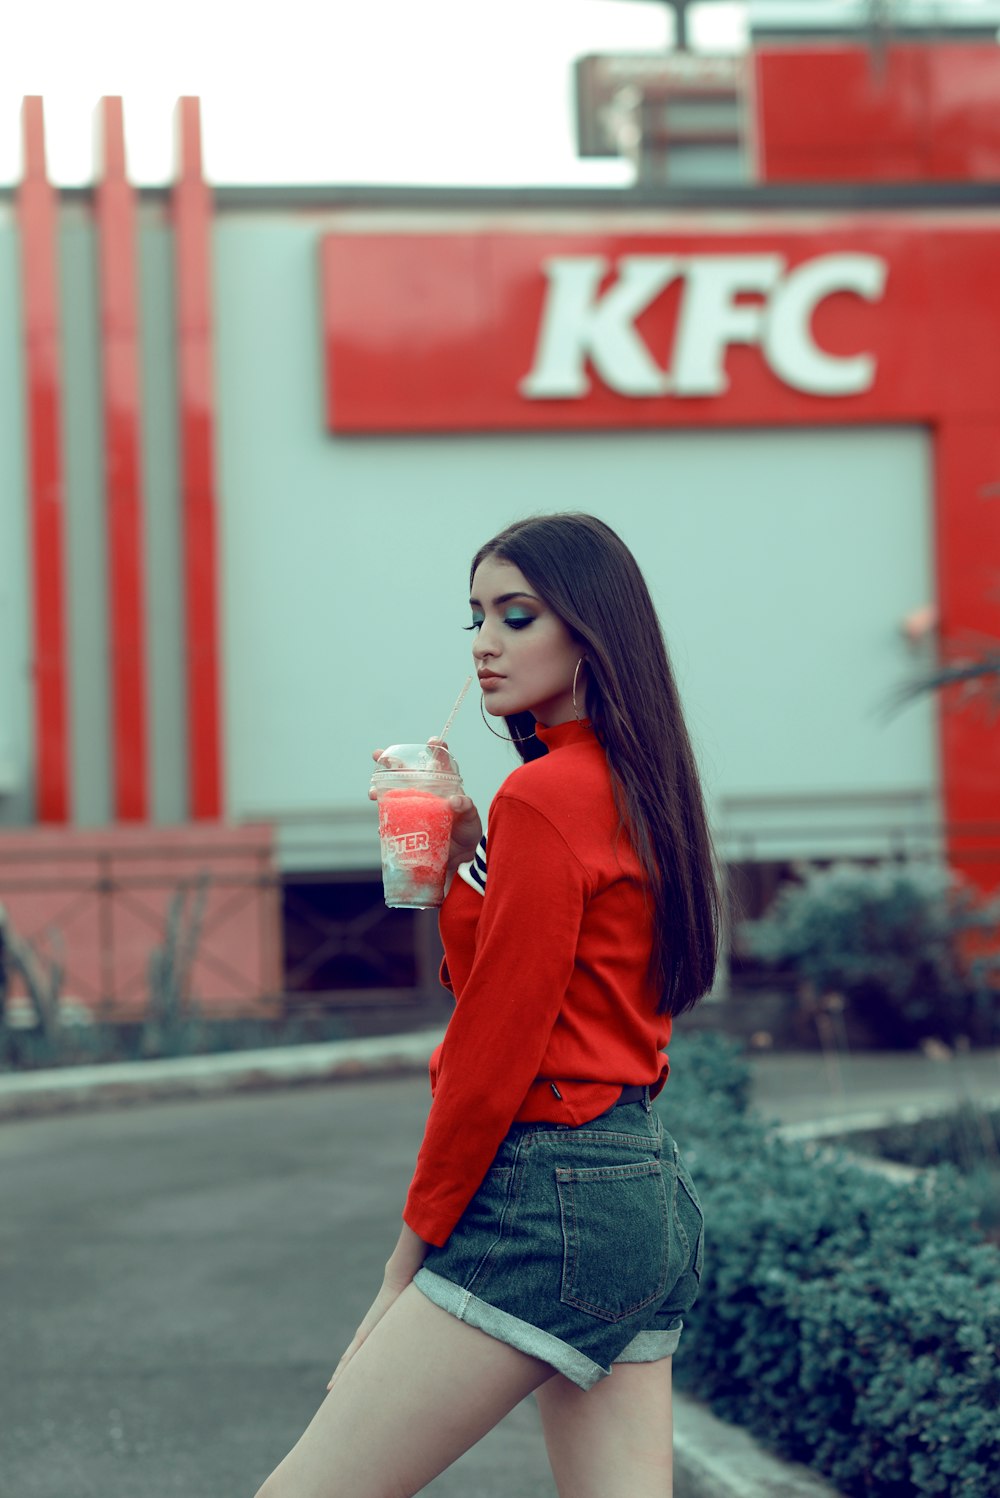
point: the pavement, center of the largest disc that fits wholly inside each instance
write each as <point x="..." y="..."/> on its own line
<point x="187" y="1245"/>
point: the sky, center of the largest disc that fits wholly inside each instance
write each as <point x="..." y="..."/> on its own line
<point x="419" y="91"/>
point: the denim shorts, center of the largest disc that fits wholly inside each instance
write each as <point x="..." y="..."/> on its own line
<point x="582" y="1246"/>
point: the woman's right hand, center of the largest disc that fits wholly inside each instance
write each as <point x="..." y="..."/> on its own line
<point x="466" y="825"/>
<point x="466" y="831"/>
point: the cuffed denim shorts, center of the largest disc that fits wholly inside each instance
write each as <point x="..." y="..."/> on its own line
<point x="582" y="1246"/>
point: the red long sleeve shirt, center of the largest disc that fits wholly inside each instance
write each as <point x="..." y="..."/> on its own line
<point x="547" y="940"/>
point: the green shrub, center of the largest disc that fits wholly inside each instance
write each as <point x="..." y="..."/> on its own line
<point x="848" y="1321"/>
<point x="707" y="1066"/>
<point x="967" y="1138"/>
<point x="887" y="938"/>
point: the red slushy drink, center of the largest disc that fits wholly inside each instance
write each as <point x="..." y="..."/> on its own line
<point x="415" y="829"/>
<point x="413" y="783"/>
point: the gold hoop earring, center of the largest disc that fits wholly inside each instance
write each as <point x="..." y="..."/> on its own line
<point x="509" y="738"/>
<point x="576" y="673"/>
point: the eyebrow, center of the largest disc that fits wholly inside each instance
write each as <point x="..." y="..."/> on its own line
<point x="504" y="598"/>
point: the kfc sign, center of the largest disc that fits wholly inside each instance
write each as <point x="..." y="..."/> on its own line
<point x="581" y="323"/>
<point x="604" y="326"/>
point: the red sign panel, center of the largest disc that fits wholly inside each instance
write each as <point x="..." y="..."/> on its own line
<point x="919" y="112"/>
<point x="893" y="317"/>
<point x="802" y="323"/>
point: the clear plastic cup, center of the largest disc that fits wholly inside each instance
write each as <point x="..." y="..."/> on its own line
<point x="412" y="784"/>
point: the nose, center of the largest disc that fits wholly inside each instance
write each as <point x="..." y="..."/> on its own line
<point x="487" y="645"/>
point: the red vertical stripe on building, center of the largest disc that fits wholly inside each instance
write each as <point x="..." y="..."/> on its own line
<point x="967" y="460"/>
<point x="38" y="215"/>
<point x="122" y="453"/>
<point x="192" y="210"/>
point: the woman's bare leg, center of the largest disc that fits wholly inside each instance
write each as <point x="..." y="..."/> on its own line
<point x="614" y="1440"/>
<point x="419" y="1392"/>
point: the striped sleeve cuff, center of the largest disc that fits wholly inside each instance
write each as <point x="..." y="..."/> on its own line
<point x="474" y="872"/>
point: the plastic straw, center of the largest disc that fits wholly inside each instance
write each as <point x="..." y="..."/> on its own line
<point x="458" y="703"/>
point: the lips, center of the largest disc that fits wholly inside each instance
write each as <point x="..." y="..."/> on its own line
<point x="486" y="677"/>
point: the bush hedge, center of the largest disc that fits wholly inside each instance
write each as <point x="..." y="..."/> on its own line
<point x="889" y="941"/>
<point x="849" y="1322"/>
<point x="968" y="1138"/>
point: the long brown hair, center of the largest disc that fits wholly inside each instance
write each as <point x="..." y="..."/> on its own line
<point x="588" y="576"/>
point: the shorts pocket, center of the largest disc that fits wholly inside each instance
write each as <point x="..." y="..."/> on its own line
<point x="692" y="1218"/>
<point x="615" y="1229"/>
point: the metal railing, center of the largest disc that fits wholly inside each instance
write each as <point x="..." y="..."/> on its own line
<point x="323" y="938"/>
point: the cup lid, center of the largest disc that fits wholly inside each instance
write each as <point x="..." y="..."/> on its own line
<point x="428" y="759"/>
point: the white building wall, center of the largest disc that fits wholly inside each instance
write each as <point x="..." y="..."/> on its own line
<point x="782" y="564"/>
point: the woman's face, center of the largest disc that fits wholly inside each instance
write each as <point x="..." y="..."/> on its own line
<point x="525" y="656"/>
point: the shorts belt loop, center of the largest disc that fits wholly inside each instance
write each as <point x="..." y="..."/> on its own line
<point x="646" y="1100"/>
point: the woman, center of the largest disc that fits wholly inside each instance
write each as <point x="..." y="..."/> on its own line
<point x="551" y="1236"/>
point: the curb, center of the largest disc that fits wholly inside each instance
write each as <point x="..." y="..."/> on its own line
<point x="882" y="1118"/>
<point x="63" y="1089"/>
<point x="838" y="1132"/>
<point x="716" y="1460"/>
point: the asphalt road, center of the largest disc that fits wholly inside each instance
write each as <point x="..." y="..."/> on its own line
<point x="179" y="1279"/>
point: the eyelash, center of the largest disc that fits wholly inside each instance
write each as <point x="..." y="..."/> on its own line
<point x="510" y="623"/>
